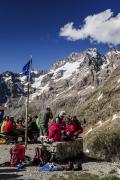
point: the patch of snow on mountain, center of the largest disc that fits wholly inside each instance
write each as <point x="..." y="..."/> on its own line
<point x="115" y="116"/>
<point x="20" y="99"/>
<point x="90" y="130"/>
<point x="38" y="88"/>
<point x="39" y="92"/>
<point x="99" y="123"/>
<point x="117" y="52"/>
<point x="35" y="71"/>
<point x="7" y="78"/>
<point x="67" y="70"/>
<point x="100" y="97"/>
<point x="92" y="87"/>
<point x="105" y="64"/>
<point x="6" y="104"/>
<point x="37" y="82"/>
<point x="92" y="52"/>
<point x="22" y="78"/>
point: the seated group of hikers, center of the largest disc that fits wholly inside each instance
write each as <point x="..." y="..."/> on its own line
<point x="60" y="128"/>
<point x="64" y="129"/>
<point x="15" y="129"/>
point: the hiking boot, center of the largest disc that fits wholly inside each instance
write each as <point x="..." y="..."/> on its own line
<point x="69" y="166"/>
<point x="78" y="167"/>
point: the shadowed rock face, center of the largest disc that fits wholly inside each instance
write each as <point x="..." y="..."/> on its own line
<point x="68" y="85"/>
<point x="10" y="87"/>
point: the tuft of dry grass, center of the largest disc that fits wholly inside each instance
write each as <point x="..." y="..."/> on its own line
<point x="105" y="141"/>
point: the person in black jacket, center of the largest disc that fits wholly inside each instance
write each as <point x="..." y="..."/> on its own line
<point x="32" y="129"/>
<point x="45" y="116"/>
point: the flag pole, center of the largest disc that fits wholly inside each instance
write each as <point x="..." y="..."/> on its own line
<point x="27" y="103"/>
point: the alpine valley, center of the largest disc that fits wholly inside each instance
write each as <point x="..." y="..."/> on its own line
<point x="86" y="84"/>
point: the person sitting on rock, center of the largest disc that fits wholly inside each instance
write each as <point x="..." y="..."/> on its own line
<point x="10" y="128"/>
<point x="21" y="121"/>
<point x="4" y="122"/>
<point x="73" y="128"/>
<point x="20" y="127"/>
<point x="32" y="129"/>
<point x="65" y="134"/>
<point x="55" y="131"/>
<point x="61" y="117"/>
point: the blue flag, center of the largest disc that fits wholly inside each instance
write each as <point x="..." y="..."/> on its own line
<point x="27" y="67"/>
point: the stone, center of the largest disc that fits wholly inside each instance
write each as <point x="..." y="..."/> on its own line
<point x="66" y="150"/>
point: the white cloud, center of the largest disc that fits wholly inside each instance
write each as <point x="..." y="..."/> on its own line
<point x="102" y="28"/>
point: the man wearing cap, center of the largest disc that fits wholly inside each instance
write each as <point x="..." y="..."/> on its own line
<point x="61" y="116"/>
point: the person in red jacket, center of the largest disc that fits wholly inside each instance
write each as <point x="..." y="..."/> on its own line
<point x="73" y="128"/>
<point x="55" y="131"/>
<point x="10" y="128"/>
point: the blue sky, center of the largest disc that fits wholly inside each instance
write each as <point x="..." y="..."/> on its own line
<point x="31" y="27"/>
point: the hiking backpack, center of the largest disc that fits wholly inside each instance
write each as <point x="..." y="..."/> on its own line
<point x="17" y="154"/>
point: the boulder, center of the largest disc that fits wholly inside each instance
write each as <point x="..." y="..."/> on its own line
<point x="62" y="151"/>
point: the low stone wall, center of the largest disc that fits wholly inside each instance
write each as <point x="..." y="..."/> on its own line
<point x="66" y="150"/>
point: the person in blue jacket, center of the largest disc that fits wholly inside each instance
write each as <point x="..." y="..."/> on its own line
<point x="1" y="116"/>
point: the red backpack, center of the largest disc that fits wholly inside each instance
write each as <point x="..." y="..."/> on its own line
<point x="17" y="154"/>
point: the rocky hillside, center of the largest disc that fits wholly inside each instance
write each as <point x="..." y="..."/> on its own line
<point x="68" y="85"/>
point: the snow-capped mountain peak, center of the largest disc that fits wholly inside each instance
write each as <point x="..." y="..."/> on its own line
<point x="113" y="53"/>
<point x="92" y="52"/>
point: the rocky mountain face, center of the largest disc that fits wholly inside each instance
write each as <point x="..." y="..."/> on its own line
<point x="67" y="85"/>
